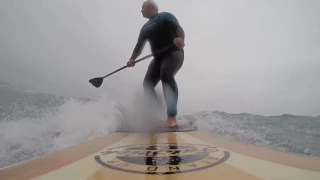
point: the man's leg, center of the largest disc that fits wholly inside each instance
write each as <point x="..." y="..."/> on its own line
<point x="170" y="65"/>
<point x="151" y="79"/>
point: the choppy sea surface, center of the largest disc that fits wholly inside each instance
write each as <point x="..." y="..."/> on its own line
<point x="33" y="124"/>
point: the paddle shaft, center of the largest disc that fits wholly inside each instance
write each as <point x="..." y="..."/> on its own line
<point x="143" y="58"/>
<point x="127" y="65"/>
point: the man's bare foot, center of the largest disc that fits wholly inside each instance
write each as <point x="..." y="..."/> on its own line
<point x="171" y="122"/>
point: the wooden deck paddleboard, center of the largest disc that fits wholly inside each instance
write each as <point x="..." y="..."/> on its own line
<point x="183" y="155"/>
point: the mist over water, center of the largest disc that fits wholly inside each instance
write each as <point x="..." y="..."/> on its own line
<point x="240" y="56"/>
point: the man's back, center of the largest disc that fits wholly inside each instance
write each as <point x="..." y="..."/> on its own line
<point x="160" y="31"/>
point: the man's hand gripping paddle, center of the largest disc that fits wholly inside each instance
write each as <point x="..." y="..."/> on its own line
<point x="97" y="82"/>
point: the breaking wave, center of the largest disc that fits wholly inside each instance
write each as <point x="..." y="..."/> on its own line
<point x="34" y="124"/>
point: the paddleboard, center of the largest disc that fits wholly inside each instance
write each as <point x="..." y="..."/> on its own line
<point x="170" y="154"/>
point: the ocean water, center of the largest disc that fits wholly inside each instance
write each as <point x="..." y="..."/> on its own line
<point x="33" y="124"/>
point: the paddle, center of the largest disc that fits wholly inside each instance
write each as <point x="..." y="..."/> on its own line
<point x="97" y="82"/>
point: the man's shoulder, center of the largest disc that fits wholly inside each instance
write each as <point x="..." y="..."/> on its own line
<point x="144" y="26"/>
<point x="167" y="16"/>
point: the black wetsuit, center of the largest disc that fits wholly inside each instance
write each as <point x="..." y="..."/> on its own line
<point x="160" y="31"/>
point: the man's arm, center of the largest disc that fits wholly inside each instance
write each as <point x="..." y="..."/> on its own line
<point x="180" y="32"/>
<point x="139" y="46"/>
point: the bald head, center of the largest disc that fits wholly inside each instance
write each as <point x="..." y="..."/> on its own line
<point x="149" y="8"/>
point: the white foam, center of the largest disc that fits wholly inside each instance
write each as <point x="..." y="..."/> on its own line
<point x="216" y="123"/>
<point x="74" y="122"/>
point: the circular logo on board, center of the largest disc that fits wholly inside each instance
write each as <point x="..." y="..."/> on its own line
<point x="161" y="158"/>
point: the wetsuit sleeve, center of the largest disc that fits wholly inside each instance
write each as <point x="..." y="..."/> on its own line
<point x="139" y="46"/>
<point x="179" y="32"/>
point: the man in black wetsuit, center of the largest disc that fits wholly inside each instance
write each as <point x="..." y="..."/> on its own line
<point x="161" y="31"/>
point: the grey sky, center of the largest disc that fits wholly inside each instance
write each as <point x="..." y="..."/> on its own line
<point x="240" y="56"/>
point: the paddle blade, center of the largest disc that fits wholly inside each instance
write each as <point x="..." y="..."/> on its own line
<point x="96" y="82"/>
